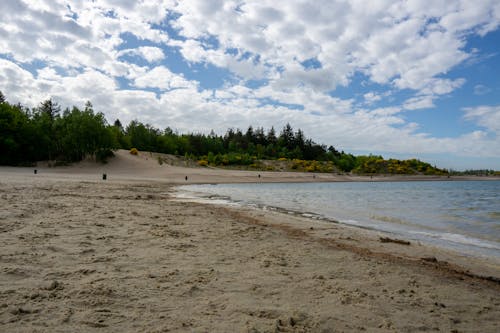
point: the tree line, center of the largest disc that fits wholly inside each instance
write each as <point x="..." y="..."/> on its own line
<point x="46" y="132"/>
<point x="475" y="172"/>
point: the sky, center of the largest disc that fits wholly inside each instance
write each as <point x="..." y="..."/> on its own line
<point x="404" y="79"/>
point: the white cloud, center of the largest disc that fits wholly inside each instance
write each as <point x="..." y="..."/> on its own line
<point x="393" y="42"/>
<point x="441" y="86"/>
<point x="480" y="89"/>
<point x="162" y="78"/>
<point x="486" y="116"/>
<point x="17" y="84"/>
<point x="149" y="53"/>
<point x="26" y="88"/>
<point x="388" y="111"/>
<point x="74" y="34"/>
<point x="430" y="90"/>
<point x="371" y="97"/>
<point x="194" y="51"/>
<point x="419" y="102"/>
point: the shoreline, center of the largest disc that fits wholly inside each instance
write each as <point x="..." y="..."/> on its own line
<point x="377" y="244"/>
<point x="408" y="224"/>
<point x="479" y="265"/>
<point x="89" y="255"/>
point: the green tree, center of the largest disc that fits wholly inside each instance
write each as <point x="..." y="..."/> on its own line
<point x="45" y="116"/>
<point x="287" y="138"/>
<point x="142" y="137"/>
<point x="120" y="139"/>
<point x="346" y="162"/>
<point x="84" y="133"/>
<point x="14" y="134"/>
<point x="271" y="137"/>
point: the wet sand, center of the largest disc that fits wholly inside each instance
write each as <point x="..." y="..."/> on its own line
<point x="79" y="254"/>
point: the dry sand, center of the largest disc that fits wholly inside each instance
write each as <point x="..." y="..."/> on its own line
<point x="145" y="167"/>
<point x="79" y="254"/>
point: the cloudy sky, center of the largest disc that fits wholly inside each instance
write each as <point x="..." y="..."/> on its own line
<point x="398" y="78"/>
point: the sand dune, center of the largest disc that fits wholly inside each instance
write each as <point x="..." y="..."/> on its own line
<point x="127" y="167"/>
<point x="146" y="166"/>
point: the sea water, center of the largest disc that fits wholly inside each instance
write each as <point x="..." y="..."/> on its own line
<point x="463" y="215"/>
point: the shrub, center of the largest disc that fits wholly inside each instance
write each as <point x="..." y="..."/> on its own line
<point x="102" y="155"/>
<point x="310" y="168"/>
<point x="134" y="151"/>
<point x="256" y="165"/>
<point x="203" y="163"/>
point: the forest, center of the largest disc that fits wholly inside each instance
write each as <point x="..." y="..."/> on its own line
<point x="46" y="132"/>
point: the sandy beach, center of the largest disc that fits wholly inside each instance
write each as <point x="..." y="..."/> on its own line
<point x="83" y="254"/>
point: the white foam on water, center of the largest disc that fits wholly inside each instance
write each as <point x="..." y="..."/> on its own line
<point x="461" y="239"/>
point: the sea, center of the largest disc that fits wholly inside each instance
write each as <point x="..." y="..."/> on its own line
<point x="460" y="215"/>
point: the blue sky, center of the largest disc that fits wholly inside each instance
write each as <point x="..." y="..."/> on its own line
<point x="402" y="79"/>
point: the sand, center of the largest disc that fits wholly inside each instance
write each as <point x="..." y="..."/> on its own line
<point x="80" y="254"/>
<point x="145" y="167"/>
